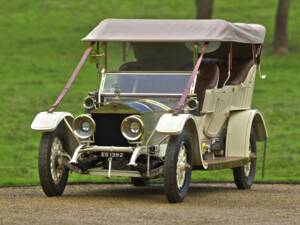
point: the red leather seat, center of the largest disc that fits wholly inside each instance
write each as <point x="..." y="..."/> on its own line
<point x="239" y="71"/>
<point x="207" y="79"/>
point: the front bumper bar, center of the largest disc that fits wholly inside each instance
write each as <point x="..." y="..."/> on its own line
<point x="136" y="152"/>
<point x="96" y="148"/>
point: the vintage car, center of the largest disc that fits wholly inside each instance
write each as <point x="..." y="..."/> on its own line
<point x="177" y="98"/>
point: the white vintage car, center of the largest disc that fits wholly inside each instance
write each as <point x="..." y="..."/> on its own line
<point x="179" y="100"/>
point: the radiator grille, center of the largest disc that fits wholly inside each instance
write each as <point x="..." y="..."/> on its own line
<point x="108" y="132"/>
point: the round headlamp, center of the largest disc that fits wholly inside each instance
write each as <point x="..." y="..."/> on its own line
<point x="84" y="126"/>
<point x="132" y="127"/>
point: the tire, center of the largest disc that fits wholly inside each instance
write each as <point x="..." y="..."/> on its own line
<point x="242" y="179"/>
<point x="139" y="182"/>
<point x="176" y="186"/>
<point x="53" y="181"/>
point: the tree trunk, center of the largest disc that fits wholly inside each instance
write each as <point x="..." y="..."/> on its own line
<point x="281" y="27"/>
<point x="204" y="9"/>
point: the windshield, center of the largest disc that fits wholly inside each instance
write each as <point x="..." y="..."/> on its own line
<point x="162" y="83"/>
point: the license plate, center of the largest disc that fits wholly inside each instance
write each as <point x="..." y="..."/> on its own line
<point x="112" y="154"/>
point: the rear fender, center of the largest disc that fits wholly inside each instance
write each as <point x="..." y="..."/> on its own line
<point x="239" y="130"/>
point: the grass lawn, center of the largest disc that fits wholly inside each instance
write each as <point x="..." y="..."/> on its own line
<point x="40" y="45"/>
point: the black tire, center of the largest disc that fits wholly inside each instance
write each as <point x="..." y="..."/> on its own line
<point x="139" y="182"/>
<point x="49" y="185"/>
<point x="174" y="193"/>
<point x="241" y="179"/>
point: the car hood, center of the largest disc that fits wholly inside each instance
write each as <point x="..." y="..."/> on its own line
<point x="147" y="105"/>
<point x="134" y="106"/>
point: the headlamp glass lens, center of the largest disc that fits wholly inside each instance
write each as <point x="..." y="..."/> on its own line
<point x="135" y="127"/>
<point x="85" y="126"/>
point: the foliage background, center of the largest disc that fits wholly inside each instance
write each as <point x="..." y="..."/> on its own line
<point x="40" y="46"/>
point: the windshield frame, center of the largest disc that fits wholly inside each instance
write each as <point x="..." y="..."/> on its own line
<point x="141" y="73"/>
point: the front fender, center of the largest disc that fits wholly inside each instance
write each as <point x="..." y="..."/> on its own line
<point x="172" y="124"/>
<point x="239" y="130"/>
<point x="47" y="122"/>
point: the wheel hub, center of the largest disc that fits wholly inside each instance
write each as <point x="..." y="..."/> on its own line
<point x="247" y="167"/>
<point x="182" y="166"/>
<point x="56" y="165"/>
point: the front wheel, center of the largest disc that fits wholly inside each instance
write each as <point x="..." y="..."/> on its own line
<point x="244" y="175"/>
<point x="177" y="169"/>
<point x="53" y="174"/>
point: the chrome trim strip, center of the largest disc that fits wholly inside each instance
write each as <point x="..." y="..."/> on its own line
<point x="102" y="81"/>
<point x="156" y="103"/>
<point x="145" y="105"/>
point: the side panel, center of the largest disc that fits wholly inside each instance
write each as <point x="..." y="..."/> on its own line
<point x="47" y="122"/>
<point x="220" y="101"/>
<point x="243" y="93"/>
<point x="239" y="129"/>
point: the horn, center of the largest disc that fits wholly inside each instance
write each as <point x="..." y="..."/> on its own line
<point x="192" y="104"/>
<point x="89" y="102"/>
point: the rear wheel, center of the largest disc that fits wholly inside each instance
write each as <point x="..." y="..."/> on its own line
<point x="177" y="169"/>
<point x="53" y="174"/>
<point x="244" y="175"/>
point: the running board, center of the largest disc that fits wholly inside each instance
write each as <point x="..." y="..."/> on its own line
<point x="154" y="173"/>
<point x="117" y="173"/>
<point x="226" y="162"/>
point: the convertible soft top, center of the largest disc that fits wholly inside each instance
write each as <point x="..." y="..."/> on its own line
<point x="166" y="30"/>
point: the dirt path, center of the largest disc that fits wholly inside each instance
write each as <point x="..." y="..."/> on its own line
<point x="125" y="204"/>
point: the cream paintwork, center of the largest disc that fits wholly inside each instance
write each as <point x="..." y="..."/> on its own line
<point x="47" y="122"/>
<point x="230" y="103"/>
<point x="218" y="103"/>
<point x="172" y="124"/>
<point x="239" y="129"/>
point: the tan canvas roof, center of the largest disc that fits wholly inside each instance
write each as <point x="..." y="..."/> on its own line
<point x="167" y="30"/>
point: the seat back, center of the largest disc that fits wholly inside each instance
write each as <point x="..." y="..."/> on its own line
<point x="239" y="71"/>
<point x="207" y="79"/>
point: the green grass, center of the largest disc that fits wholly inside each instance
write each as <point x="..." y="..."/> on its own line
<point x="39" y="47"/>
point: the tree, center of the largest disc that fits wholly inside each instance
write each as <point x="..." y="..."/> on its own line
<point x="281" y="27"/>
<point x="204" y="9"/>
